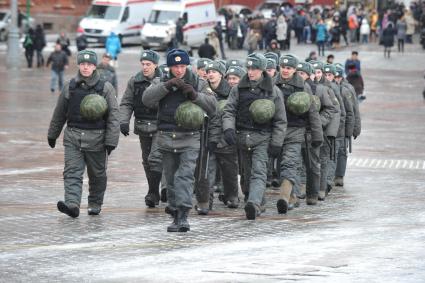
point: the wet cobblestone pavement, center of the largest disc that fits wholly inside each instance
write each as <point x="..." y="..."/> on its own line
<point x="369" y="231"/>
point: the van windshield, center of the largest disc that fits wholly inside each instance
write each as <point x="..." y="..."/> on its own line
<point x="163" y="17"/>
<point x="2" y="16"/>
<point x="104" y="12"/>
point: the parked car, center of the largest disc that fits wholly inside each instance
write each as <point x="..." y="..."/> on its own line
<point x="6" y="19"/>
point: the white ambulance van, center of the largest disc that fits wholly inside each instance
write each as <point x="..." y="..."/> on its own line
<point x="123" y="17"/>
<point x="199" y="17"/>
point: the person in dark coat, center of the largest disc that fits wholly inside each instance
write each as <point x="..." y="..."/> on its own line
<point x="29" y="46"/>
<point x="39" y="44"/>
<point x="206" y="50"/>
<point x="388" y="39"/>
<point x="356" y="80"/>
<point x="81" y="42"/>
<point x="63" y="40"/>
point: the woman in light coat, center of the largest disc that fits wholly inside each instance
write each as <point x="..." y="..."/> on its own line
<point x="281" y="31"/>
<point x="364" y="31"/>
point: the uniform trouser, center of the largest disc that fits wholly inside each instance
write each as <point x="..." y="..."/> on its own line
<point x="339" y="144"/>
<point x="202" y="186"/>
<point x="225" y="162"/>
<point x="151" y="160"/>
<point x="341" y="164"/>
<point x="254" y="170"/>
<point x="291" y="160"/>
<point x="179" y="169"/>
<point x="324" y="166"/>
<point x="310" y="171"/>
<point x="75" y="162"/>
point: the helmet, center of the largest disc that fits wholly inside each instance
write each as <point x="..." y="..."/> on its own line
<point x="93" y="107"/>
<point x="189" y="116"/>
<point x="316" y="101"/>
<point x="220" y="105"/>
<point x="262" y="110"/>
<point x="299" y="102"/>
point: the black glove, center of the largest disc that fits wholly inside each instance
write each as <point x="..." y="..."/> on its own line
<point x="125" y="129"/>
<point x="212" y="146"/>
<point x="173" y="83"/>
<point x="274" y="151"/>
<point x="109" y="149"/>
<point x="189" y="91"/>
<point x="52" y="142"/>
<point x="230" y="136"/>
<point x="316" y="144"/>
<point x="354" y="137"/>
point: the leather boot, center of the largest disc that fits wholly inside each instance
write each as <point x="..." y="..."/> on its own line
<point x="302" y="191"/>
<point x="152" y="198"/>
<point x="285" y="194"/>
<point x="339" y="181"/>
<point x="173" y="227"/>
<point x="70" y="210"/>
<point x="182" y="223"/>
<point x="202" y="208"/>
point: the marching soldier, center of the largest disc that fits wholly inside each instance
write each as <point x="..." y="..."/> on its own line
<point x="179" y="98"/>
<point x="345" y="130"/>
<point x="331" y="131"/>
<point x="254" y="118"/>
<point x="299" y="117"/>
<point x="222" y="156"/>
<point x="90" y="136"/>
<point x="342" y="153"/>
<point x="234" y="75"/>
<point x="145" y="124"/>
<point x="311" y="173"/>
<point x="107" y="72"/>
<point x="201" y="64"/>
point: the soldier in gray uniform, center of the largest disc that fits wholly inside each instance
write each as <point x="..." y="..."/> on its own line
<point x="234" y="75"/>
<point x="342" y="153"/>
<point x="234" y="63"/>
<point x="271" y="69"/>
<point x="310" y="174"/>
<point x="223" y="157"/>
<point x="201" y="64"/>
<point x="107" y="72"/>
<point x="179" y="146"/>
<point x="332" y="129"/>
<point x="290" y="82"/>
<point x="86" y="142"/>
<point x="345" y="130"/>
<point x="145" y="124"/>
<point x="255" y="141"/>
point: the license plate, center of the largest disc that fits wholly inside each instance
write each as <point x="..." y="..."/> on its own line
<point x="92" y="39"/>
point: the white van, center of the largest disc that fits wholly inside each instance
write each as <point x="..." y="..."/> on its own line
<point x="123" y="17"/>
<point x="199" y="17"/>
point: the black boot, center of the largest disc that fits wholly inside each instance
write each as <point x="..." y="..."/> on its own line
<point x="70" y="210"/>
<point x="152" y="198"/>
<point x="174" y="225"/>
<point x="183" y="224"/>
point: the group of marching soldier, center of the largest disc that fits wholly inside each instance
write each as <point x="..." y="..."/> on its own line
<point x="273" y="121"/>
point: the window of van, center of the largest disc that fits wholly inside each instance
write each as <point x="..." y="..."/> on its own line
<point x="104" y="12"/>
<point x="125" y="15"/>
<point x="163" y="17"/>
<point x="2" y="15"/>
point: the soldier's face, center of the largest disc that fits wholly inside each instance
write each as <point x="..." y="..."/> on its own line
<point x="86" y="69"/>
<point x="106" y="60"/>
<point x="330" y="77"/>
<point x="287" y="72"/>
<point x="201" y="73"/>
<point x="178" y="71"/>
<point x="148" y="68"/>
<point x="233" y="80"/>
<point x="338" y="79"/>
<point x="213" y="76"/>
<point x="303" y="75"/>
<point x="254" y="74"/>
<point x="271" y="72"/>
<point x="318" y="74"/>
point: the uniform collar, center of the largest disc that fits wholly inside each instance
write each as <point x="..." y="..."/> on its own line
<point x="90" y="81"/>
